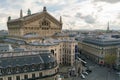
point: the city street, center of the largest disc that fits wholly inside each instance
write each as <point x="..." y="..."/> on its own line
<point x="100" y="72"/>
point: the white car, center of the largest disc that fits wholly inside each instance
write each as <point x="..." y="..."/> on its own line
<point x="85" y="73"/>
<point x="82" y="76"/>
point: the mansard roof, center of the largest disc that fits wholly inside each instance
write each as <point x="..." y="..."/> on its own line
<point x="25" y="60"/>
<point x="102" y="42"/>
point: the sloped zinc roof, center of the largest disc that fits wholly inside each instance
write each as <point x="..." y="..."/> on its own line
<point x="25" y="60"/>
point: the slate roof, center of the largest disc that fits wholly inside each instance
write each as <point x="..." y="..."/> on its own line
<point x="5" y="47"/>
<point x="25" y="60"/>
<point x="14" y="41"/>
<point x="102" y="42"/>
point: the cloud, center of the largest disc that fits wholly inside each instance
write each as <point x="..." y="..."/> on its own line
<point x="109" y="1"/>
<point x="66" y="15"/>
<point x="76" y="14"/>
<point x="118" y="16"/>
<point x="89" y="19"/>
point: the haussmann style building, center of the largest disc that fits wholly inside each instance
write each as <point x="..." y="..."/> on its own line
<point x="36" y="32"/>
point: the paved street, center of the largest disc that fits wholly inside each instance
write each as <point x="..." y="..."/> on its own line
<point x="100" y="72"/>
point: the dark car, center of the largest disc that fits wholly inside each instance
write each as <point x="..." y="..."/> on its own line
<point x="88" y="70"/>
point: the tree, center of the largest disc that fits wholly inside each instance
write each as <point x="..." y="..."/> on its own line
<point x="110" y="59"/>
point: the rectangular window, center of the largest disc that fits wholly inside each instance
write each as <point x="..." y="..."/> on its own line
<point x="33" y="75"/>
<point x="40" y="74"/>
<point x="9" y="78"/>
<point x="25" y="76"/>
<point x="17" y="77"/>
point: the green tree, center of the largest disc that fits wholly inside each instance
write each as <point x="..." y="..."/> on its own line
<point x="110" y="59"/>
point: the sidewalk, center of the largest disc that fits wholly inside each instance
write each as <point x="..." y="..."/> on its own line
<point x="63" y="71"/>
<point x="49" y="78"/>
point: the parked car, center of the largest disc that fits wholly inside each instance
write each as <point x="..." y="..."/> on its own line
<point x="88" y="70"/>
<point x="85" y="73"/>
<point x="82" y="76"/>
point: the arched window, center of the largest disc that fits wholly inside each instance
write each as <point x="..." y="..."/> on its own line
<point x="52" y="51"/>
<point x="45" y="23"/>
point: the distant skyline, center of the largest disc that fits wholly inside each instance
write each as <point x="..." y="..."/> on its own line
<point x="76" y="14"/>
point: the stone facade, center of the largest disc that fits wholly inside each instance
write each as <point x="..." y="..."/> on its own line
<point x="63" y="50"/>
<point x="98" y="49"/>
<point x="41" y="24"/>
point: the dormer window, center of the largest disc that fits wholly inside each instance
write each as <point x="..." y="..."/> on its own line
<point x="9" y="70"/>
<point x="17" y="69"/>
<point x="41" y="66"/>
<point x="33" y="67"/>
<point x="25" y="68"/>
<point x="50" y="65"/>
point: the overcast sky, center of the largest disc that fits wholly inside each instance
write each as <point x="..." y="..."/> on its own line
<point x="76" y="14"/>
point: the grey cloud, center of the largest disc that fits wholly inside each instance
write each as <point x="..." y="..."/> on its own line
<point x="66" y="16"/>
<point x="72" y="23"/>
<point x="89" y="19"/>
<point x="118" y="16"/>
<point x="99" y="8"/>
<point x="109" y="1"/>
<point x="115" y="27"/>
<point x="78" y="15"/>
<point x="2" y="15"/>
